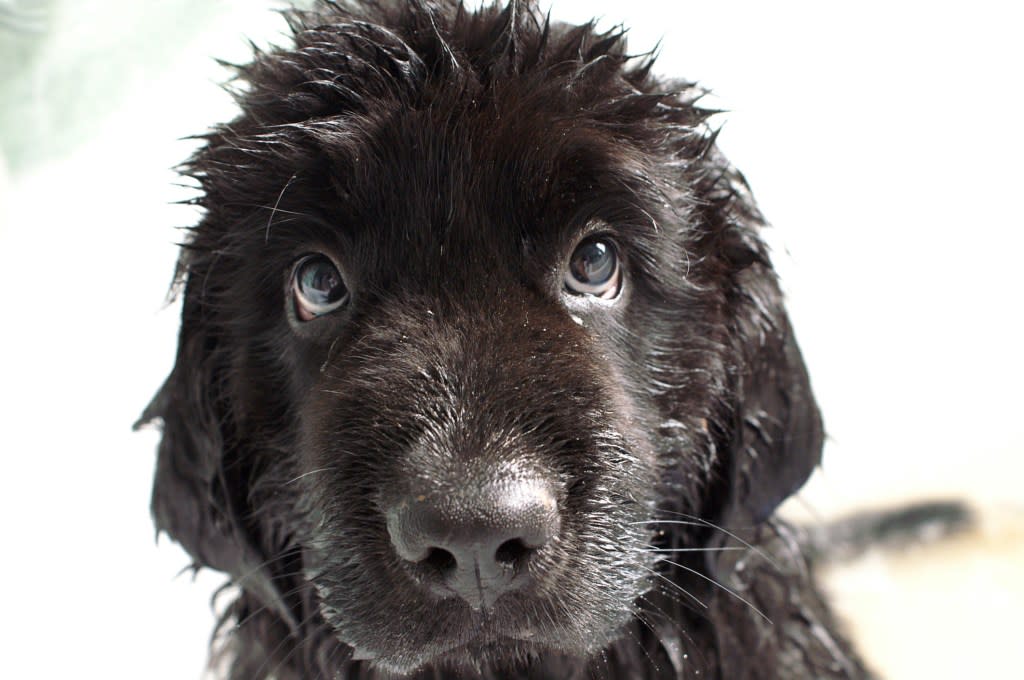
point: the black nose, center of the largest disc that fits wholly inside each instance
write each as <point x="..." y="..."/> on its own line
<point x="475" y="542"/>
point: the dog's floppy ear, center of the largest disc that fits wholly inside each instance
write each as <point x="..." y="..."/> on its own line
<point x="777" y="429"/>
<point x="774" y="440"/>
<point x="191" y="496"/>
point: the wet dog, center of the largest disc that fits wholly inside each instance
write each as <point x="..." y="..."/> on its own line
<point x="483" y="367"/>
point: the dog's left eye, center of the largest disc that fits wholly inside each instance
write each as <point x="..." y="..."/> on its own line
<point x="594" y="269"/>
<point x="317" y="287"/>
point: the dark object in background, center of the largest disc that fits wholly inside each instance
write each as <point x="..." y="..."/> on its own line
<point x="894" y="529"/>
<point x="483" y="368"/>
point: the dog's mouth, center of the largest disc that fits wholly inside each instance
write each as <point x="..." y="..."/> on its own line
<point x="468" y="640"/>
<point x="480" y="641"/>
<point x="473" y="651"/>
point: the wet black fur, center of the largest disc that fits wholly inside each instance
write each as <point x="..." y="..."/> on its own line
<point x="450" y="161"/>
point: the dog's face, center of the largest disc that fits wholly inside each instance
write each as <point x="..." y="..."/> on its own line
<point x="477" y="386"/>
<point x="472" y="305"/>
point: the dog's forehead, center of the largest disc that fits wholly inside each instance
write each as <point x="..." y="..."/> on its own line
<point x="485" y="176"/>
<point x="471" y="184"/>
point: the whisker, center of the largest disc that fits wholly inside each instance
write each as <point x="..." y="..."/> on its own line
<point x="674" y="623"/>
<point x="681" y="589"/>
<point x="266" y="607"/>
<point x="723" y="587"/>
<point x="723" y="548"/>
<point x="307" y="474"/>
<point x="299" y="644"/>
<point x="249" y="574"/>
<point x="287" y="593"/>
<point x="697" y="521"/>
<point x="643" y="647"/>
<point x="652" y="608"/>
<point x="336" y="649"/>
<point x="641" y="616"/>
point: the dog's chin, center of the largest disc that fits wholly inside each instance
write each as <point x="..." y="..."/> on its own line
<point x="471" y="657"/>
<point x="472" y="644"/>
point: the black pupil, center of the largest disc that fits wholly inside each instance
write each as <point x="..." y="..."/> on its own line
<point x="593" y="263"/>
<point x="320" y="282"/>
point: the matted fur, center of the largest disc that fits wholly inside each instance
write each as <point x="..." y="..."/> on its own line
<point x="450" y="160"/>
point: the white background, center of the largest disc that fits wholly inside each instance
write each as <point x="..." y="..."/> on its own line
<point x="882" y="139"/>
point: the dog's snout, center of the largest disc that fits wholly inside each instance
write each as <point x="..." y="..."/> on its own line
<point x="476" y="542"/>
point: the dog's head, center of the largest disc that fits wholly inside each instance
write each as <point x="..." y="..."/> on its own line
<point x="475" y="301"/>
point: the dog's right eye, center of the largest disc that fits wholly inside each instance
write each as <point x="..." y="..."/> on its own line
<point x="594" y="269"/>
<point x="317" y="287"/>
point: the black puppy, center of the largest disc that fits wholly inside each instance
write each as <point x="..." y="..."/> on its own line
<point x="483" y="368"/>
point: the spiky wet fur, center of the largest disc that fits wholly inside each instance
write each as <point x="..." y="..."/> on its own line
<point x="452" y="157"/>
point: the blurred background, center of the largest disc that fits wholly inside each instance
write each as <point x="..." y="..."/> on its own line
<point x="882" y="139"/>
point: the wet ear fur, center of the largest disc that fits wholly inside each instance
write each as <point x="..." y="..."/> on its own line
<point x="191" y="498"/>
<point x="776" y="435"/>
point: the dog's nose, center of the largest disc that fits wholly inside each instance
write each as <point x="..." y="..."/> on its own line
<point x="476" y="542"/>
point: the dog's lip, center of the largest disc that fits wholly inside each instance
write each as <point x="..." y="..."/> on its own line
<point x="471" y="645"/>
<point x="482" y="640"/>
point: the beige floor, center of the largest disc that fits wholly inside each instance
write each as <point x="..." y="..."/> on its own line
<point x="949" y="609"/>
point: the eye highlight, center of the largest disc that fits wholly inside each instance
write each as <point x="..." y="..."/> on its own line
<point x="594" y="269"/>
<point x="317" y="287"/>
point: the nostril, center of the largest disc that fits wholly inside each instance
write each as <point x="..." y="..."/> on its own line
<point x="440" y="560"/>
<point x="475" y="542"/>
<point x="512" y="552"/>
